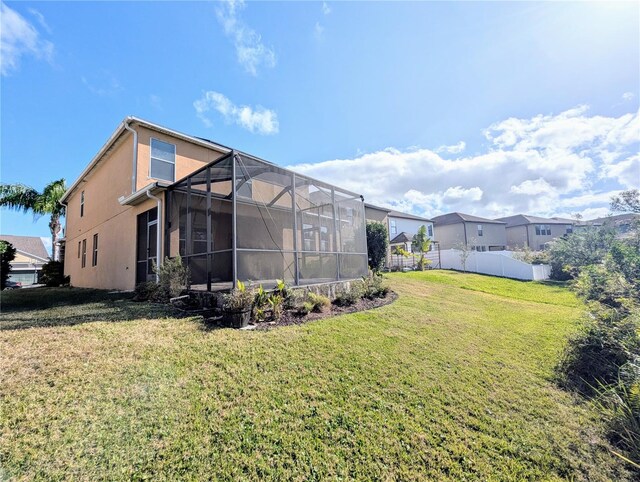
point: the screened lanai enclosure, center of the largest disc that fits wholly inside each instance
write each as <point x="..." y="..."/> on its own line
<point x="242" y="218"/>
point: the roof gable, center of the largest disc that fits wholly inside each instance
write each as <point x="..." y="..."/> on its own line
<point x="29" y="245"/>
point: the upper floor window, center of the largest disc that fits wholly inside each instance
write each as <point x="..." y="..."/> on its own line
<point x="163" y="160"/>
<point x="480" y="232"/>
<point x="82" y="204"/>
<point x="543" y="230"/>
<point x="430" y="230"/>
<point x="393" y="227"/>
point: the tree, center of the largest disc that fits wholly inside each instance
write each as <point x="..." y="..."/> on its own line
<point x="421" y="244"/>
<point x="626" y="202"/>
<point x="25" y="198"/>
<point x="377" y="245"/>
<point x="569" y="254"/>
<point x="465" y="252"/>
<point x="400" y="251"/>
<point x="7" y="254"/>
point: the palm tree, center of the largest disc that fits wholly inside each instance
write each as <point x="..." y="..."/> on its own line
<point x="24" y="198"/>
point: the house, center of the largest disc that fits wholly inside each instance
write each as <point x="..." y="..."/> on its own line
<point x="152" y="192"/>
<point x="401" y="227"/>
<point x="535" y="232"/>
<point x="409" y="224"/>
<point x="31" y="255"/>
<point x="623" y="224"/>
<point x="481" y="234"/>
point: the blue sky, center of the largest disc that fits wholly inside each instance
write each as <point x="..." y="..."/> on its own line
<point x="486" y="108"/>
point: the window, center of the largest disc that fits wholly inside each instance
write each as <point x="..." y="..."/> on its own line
<point x="84" y="253"/>
<point x="479" y="229"/>
<point x="246" y="189"/>
<point x="163" y="160"/>
<point x="430" y="230"/>
<point x="94" y="259"/>
<point x="79" y="248"/>
<point x="543" y="230"/>
<point x="394" y="228"/>
<point x="82" y="204"/>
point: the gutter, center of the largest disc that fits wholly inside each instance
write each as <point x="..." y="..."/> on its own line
<point x="134" y="174"/>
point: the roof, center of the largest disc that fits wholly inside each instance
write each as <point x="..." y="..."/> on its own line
<point x="455" y="218"/>
<point x="403" y="237"/>
<point x="377" y="208"/>
<point x="121" y="130"/>
<point x="522" y="219"/>
<point x="398" y="214"/>
<point x="617" y="219"/>
<point x="29" y="245"/>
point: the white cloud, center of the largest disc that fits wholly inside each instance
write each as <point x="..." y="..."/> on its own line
<point x="318" y="31"/>
<point x="250" y="51"/>
<point x="254" y="119"/>
<point x="41" y="20"/>
<point x="627" y="96"/>
<point x="546" y="165"/>
<point x="18" y="38"/>
<point x="326" y="9"/>
<point x="454" y="149"/>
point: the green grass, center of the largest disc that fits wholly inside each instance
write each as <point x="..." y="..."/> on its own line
<point x="451" y="382"/>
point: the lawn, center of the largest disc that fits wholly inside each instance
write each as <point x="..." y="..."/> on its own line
<point x="453" y="381"/>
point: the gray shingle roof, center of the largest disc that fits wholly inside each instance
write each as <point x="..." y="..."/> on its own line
<point x="398" y="214"/>
<point x="403" y="237"/>
<point x="28" y="245"/>
<point x="522" y="219"/>
<point x="454" y="218"/>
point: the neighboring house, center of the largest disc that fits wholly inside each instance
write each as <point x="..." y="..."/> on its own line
<point x="152" y="192"/>
<point x="623" y="224"/>
<point x="481" y="234"/>
<point x="409" y="224"/>
<point x="535" y="232"/>
<point x="31" y="254"/>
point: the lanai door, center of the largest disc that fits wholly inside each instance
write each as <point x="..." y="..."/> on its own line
<point x="147" y="245"/>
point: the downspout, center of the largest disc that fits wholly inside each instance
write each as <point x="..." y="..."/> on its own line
<point x="134" y="174"/>
<point x="158" y="231"/>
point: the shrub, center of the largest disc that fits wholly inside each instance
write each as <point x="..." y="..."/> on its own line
<point x="373" y="286"/>
<point x="319" y="303"/>
<point x="173" y="279"/>
<point x="7" y="254"/>
<point x="571" y="253"/>
<point x="277" y="306"/>
<point x="305" y="308"/>
<point x="145" y="291"/>
<point x="594" y="357"/>
<point x="351" y="297"/>
<point x="377" y="245"/>
<point x="239" y="299"/>
<point x="53" y="274"/>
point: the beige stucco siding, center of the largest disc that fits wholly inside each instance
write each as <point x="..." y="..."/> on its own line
<point x="517" y="236"/>
<point x="103" y="215"/>
<point x="189" y="157"/>
<point x="449" y="235"/>
<point x="116" y="224"/>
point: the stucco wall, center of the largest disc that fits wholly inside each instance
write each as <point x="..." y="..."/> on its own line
<point x="492" y="235"/>
<point x="115" y="224"/>
<point x="449" y="235"/>
<point x="516" y="237"/>
<point x="410" y="226"/>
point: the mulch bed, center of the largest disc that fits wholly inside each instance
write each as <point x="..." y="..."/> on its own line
<point x="292" y="318"/>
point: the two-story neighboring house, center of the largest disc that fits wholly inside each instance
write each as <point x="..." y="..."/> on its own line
<point x="481" y="234"/>
<point x="403" y="227"/>
<point x="152" y="192"/>
<point x="534" y="232"/>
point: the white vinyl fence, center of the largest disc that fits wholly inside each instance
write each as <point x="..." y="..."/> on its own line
<point x="495" y="263"/>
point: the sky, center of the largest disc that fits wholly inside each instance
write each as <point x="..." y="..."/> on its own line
<point x="490" y="109"/>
